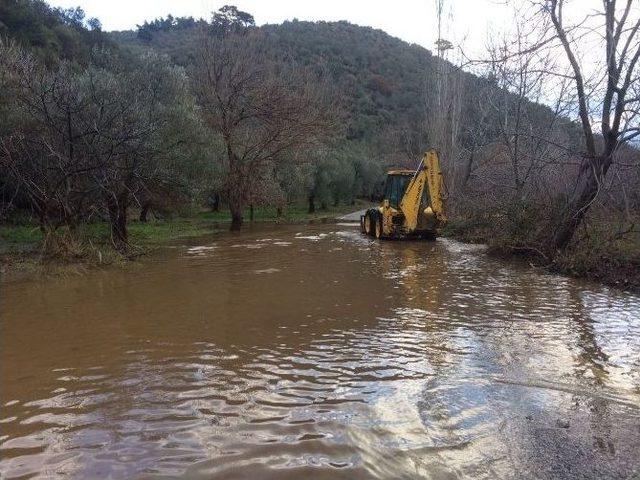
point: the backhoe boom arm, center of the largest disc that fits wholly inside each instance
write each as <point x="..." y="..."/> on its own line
<point x="428" y="174"/>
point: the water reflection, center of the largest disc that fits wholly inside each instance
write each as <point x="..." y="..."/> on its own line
<point x="315" y="351"/>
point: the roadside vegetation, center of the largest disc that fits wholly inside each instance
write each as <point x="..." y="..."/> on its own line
<point x="110" y="141"/>
<point x="558" y="186"/>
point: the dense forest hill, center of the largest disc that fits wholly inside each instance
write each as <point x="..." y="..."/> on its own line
<point x="382" y="79"/>
<point x="386" y="85"/>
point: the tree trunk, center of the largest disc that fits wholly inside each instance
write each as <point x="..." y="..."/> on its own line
<point x="118" y="221"/>
<point x="467" y="168"/>
<point x="251" y="213"/>
<point x="145" y="212"/>
<point x="279" y="211"/>
<point x="312" y="204"/>
<point x="216" y="203"/>
<point x="236" y="194"/>
<point x="591" y="175"/>
<point x="236" y="216"/>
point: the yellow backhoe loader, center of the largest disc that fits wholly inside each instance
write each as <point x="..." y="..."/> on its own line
<point x="412" y="203"/>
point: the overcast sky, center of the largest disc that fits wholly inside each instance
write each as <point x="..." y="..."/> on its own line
<point x="411" y="20"/>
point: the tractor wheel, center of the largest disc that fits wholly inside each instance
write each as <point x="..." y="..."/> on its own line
<point x="378" y="227"/>
<point x="368" y="223"/>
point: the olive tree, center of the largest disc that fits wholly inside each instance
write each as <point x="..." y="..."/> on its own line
<point x="90" y="141"/>
<point x="143" y="123"/>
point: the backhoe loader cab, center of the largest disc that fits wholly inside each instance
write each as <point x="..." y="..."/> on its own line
<point x="396" y="185"/>
<point x="412" y="203"/>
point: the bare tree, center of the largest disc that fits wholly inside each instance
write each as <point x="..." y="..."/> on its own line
<point x="609" y="100"/>
<point x="445" y="104"/>
<point x="525" y="131"/>
<point x="261" y="106"/>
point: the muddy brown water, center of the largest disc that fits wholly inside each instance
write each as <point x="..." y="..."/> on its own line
<point x="313" y="352"/>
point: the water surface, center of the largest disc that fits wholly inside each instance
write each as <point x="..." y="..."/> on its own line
<point x="313" y="352"/>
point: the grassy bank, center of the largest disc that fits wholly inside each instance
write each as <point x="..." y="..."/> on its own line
<point x="21" y="252"/>
<point x="22" y="255"/>
<point x="291" y="214"/>
<point x="598" y="256"/>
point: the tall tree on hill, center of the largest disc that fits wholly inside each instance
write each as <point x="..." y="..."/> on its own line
<point x="229" y="20"/>
<point x="262" y="108"/>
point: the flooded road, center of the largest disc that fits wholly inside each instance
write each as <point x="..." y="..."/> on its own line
<point x="313" y="352"/>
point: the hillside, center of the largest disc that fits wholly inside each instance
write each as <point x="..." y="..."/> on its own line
<point x="381" y="78"/>
<point x="386" y="85"/>
<point x="51" y="33"/>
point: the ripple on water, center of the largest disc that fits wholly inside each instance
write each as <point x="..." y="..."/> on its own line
<point x="335" y="357"/>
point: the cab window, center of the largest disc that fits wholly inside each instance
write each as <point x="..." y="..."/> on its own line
<point x="395" y="188"/>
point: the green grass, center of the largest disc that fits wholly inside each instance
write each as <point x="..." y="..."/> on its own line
<point x="152" y="232"/>
<point x="290" y="213"/>
<point x="155" y="233"/>
<point x="19" y="237"/>
<point x="24" y="238"/>
<point x="21" y="243"/>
